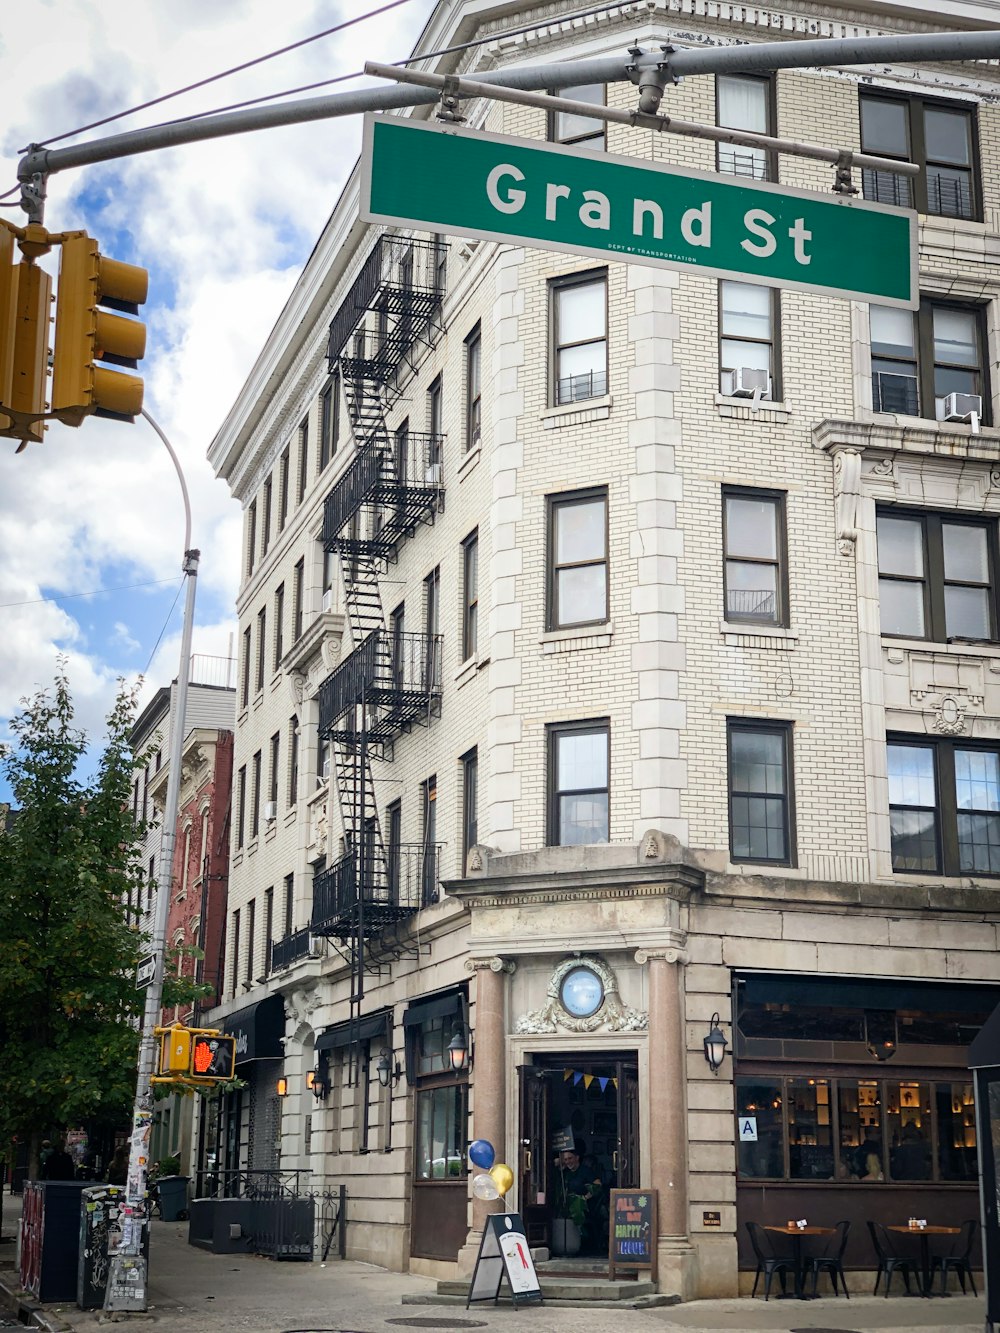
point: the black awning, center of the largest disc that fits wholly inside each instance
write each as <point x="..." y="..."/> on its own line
<point x="984" y="1050"/>
<point x="437" y="1006"/>
<point x="867" y="993"/>
<point x="360" y="1029"/>
<point x="258" y="1029"/>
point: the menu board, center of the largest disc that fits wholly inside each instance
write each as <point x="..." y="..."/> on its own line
<point x="633" y="1230"/>
<point x="503" y="1252"/>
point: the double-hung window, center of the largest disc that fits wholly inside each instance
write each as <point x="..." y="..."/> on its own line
<point x="578" y="559"/>
<point x="748" y="364"/>
<point x="944" y="807"/>
<point x="429" y="849"/>
<point x="939" y="138"/>
<point x="470" y="804"/>
<point x="921" y="359"/>
<point x="744" y="102"/>
<point x="579" y="338"/>
<point x="760" y="792"/>
<point x="251" y="530"/>
<point x="569" y="127"/>
<point x="754" y="543"/>
<point x="937" y="576"/>
<point x="473" y="388"/>
<point x="329" y="405"/>
<point x="470" y="595"/>
<point x="579" y="783"/>
<point x="261" y="647"/>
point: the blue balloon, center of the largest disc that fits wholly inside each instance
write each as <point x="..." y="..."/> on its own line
<point x="481" y="1153"/>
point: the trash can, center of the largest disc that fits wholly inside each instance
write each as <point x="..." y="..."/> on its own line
<point x="173" y="1192"/>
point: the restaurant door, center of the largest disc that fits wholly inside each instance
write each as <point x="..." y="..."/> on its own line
<point x="592" y="1099"/>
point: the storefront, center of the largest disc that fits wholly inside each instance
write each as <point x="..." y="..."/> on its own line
<point x="854" y="1100"/>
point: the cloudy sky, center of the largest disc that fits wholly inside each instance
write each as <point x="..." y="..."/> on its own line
<point x="91" y="521"/>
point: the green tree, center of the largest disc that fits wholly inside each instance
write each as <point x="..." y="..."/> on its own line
<point x="68" y="946"/>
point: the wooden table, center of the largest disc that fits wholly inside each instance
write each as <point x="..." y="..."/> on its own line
<point x="925" y="1233"/>
<point x="795" y="1234"/>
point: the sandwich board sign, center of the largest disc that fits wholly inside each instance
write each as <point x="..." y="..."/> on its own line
<point x="494" y="187"/>
<point x="503" y="1252"/>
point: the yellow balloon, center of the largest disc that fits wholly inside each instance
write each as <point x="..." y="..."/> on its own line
<point x="503" y="1177"/>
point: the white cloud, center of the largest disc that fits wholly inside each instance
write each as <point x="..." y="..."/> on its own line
<point x="224" y="228"/>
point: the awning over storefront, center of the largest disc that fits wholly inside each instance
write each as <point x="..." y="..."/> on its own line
<point x="436" y="1006"/>
<point x="867" y="993"/>
<point x="984" y="1051"/>
<point x="258" y="1030"/>
<point x="366" y="1028"/>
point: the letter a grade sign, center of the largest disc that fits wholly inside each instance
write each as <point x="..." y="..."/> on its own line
<point x="468" y="183"/>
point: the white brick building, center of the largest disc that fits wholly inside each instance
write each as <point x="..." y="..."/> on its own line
<point x="566" y="655"/>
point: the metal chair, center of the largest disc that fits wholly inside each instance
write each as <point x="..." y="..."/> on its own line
<point x="958" y="1259"/>
<point x="768" y="1262"/>
<point x="888" y="1259"/>
<point x="831" y="1260"/>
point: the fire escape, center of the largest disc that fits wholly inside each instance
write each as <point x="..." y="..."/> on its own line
<point x="391" y="680"/>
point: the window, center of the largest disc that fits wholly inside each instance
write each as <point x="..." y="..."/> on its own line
<point x="429" y="867"/>
<point x="936" y="576"/>
<point x="255" y="797"/>
<point x="435" y="417"/>
<point x="245" y="683"/>
<point x="293" y="760"/>
<point x="261" y="646"/>
<point x="919" y="358"/>
<point x="470" y="595"/>
<point x="236" y="950"/>
<point x="578" y="559"/>
<point x="272" y="786"/>
<point x="145" y="795"/>
<point x="329" y="579"/>
<point x="747" y="324"/>
<point x="251" y="537"/>
<point x="251" y="931"/>
<point x="754" y="544"/>
<point x="579" y="764"/>
<point x="279" y="625"/>
<point x="744" y="103"/>
<point x="568" y="127"/>
<point x="440" y="263"/>
<point x="241" y="805"/>
<point x="938" y="137"/>
<point x="298" y="592"/>
<point x="470" y="804"/>
<point x="432" y="629"/>
<point x="944" y="807"/>
<point x="283" y="465"/>
<point x="268" y="927"/>
<point x="760" y="817"/>
<point x="303" y="457"/>
<point x="579" y="338"/>
<point x="265" y="527"/>
<point x="329" y="420"/>
<point x="289" y="902"/>
<point x="394" y="822"/>
<point x="397" y="629"/>
<point x="322" y="760"/>
<point x="473" y="388"/>
<point x="151" y="884"/>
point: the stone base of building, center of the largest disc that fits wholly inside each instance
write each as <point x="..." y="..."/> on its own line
<point x="677" y="1265"/>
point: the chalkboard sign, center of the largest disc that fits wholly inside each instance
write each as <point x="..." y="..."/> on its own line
<point x="633" y="1230"/>
<point x="503" y="1251"/>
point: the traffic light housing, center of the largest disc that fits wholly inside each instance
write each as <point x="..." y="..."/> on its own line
<point x="193" y="1056"/>
<point x="213" y="1057"/>
<point x="25" y="300"/>
<point x="175" y="1050"/>
<point x="90" y="287"/>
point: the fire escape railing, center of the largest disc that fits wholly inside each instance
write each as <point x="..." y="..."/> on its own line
<point x="398" y="677"/>
<point x="395" y="884"/>
<point x="289" y="949"/>
<point x="402" y="280"/>
<point x="401" y="484"/>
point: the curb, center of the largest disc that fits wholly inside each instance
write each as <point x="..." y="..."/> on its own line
<point x="26" y="1310"/>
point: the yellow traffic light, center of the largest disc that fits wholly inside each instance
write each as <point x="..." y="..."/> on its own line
<point x="86" y="334"/>
<point x="175" y="1050"/>
<point x="25" y="298"/>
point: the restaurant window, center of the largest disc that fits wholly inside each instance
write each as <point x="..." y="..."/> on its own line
<point x="579" y="794"/>
<point x="760" y="788"/>
<point x="937" y="576"/>
<point x="920" y="358"/>
<point x="570" y="128"/>
<point x="944" y="807"/>
<point x="755" y="556"/>
<point x="473" y="388"/>
<point x="441" y="1097"/>
<point x="578" y="559"/>
<point x="470" y="595"/>
<point x="748" y="324"/>
<point x="939" y="138"/>
<point x="744" y="102"/>
<point x="579" y="322"/>
<point x="810" y="1129"/>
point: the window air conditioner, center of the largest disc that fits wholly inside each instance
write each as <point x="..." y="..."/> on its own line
<point x="746" y="382"/>
<point x="966" y="407"/>
<point x="328" y="600"/>
<point x="270" y="811"/>
<point x="433" y="474"/>
<point x="315" y="949"/>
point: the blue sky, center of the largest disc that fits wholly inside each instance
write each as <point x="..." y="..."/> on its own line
<point x="224" y="229"/>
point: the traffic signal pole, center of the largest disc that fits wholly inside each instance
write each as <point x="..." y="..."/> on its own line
<point x="127" y="1277"/>
<point x="651" y="71"/>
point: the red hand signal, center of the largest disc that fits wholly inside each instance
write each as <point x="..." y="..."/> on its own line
<point x="202" y="1056"/>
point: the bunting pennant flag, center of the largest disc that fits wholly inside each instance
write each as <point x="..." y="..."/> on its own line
<point x="604" y="1083"/>
<point x="615" y="1082"/>
<point x="567" y="1075"/>
<point x="587" y="1080"/>
<point x="577" y="1076"/>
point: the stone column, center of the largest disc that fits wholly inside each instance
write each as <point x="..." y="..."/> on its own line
<point x="489" y="1085"/>
<point x="667" y="1102"/>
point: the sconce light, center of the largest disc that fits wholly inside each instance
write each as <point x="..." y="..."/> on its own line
<point x="458" y="1051"/>
<point x="386" y="1070"/>
<point x="282" y="1087"/>
<point x="880" y="1033"/>
<point x="316" y="1082"/>
<point x="715" y="1045"/>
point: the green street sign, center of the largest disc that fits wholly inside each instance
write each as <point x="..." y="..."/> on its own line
<point x="441" y="178"/>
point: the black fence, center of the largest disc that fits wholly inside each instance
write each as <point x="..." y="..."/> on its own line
<point x="276" y="1213"/>
<point x="289" y="949"/>
<point x="394" y="884"/>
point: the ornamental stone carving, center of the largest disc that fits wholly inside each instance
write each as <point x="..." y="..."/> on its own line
<point x="949" y="719"/>
<point x="846" y="490"/>
<point x="612" y="1015"/>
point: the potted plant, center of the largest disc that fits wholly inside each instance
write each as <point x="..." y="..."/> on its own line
<point x="567" y="1224"/>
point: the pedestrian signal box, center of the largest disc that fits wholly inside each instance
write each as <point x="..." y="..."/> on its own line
<point x="213" y="1057"/>
<point x="175" y="1050"/>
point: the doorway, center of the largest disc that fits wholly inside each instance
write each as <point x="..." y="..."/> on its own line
<point x="587" y="1105"/>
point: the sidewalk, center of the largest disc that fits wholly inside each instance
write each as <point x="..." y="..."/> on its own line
<point x="192" y="1291"/>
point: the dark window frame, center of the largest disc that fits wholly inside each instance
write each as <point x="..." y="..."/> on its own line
<point x="275" y="764"/>
<point x="774" y="342"/>
<point x="771" y="104"/>
<point x="329" y="420"/>
<point x="474" y="387"/>
<point x="429" y="869"/>
<point x="303" y="477"/>
<point x="589" y="136"/>
<point x="946" y="809"/>
<point x="783" y="729"/>
<point x="293" y="760"/>
<point x="241" y="805"/>
<point x="298" y="598"/>
<point x="251" y="560"/>
<point x="554" y="503"/>
<point x="279" y="626"/>
<point x="256" y="768"/>
<point x="566" y="281"/>
<point x="470" y="803"/>
<point x="470" y="595"/>
<point x="245" y="674"/>
<point x="875" y="183"/>
<point x="781" y="619"/>
<point x="261" y="648"/>
<point x="554" y="732"/>
<point x="927" y="363"/>
<point x="284" y="465"/>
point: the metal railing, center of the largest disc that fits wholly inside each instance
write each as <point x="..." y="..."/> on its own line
<point x="399" y="881"/>
<point x="400" y="475"/>
<point x="396" y="266"/>
<point x="290" y="949"/>
<point x="397" y="673"/>
<point x="947" y="196"/>
<point x="250" y="1183"/>
<point x="578" y="388"/>
<point x="207" y="670"/>
<point x="759" y="604"/>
